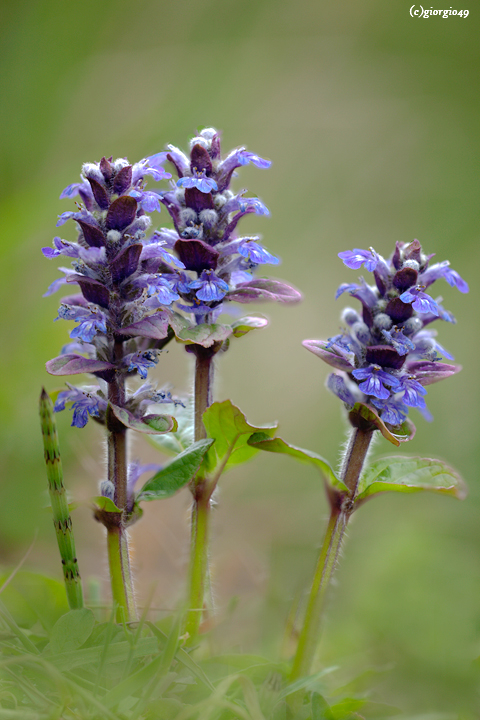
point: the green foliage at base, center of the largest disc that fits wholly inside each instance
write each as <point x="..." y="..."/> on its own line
<point x="57" y="664"/>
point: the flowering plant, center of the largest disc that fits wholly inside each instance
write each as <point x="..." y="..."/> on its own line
<point x="137" y="293"/>
<point x="383" y="359"/>
<point x="140" y="291"/>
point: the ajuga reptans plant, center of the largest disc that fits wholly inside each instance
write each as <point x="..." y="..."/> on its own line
<point x="139" y="289"/>
<point x="137" y="292"/>
<point x="219" y="267"/>
<point x="384" y="357"/>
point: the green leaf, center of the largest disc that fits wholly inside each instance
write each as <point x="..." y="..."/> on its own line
<point x="311" y="682"/>
<point x="176" y="474"/>
<point x="106" y="504"/>
<point x="277" y="445"/>
<point x="345" y="708"/>
<point x="362" y="415"/>
<point x="320" y="708"/>
<point x="204" y="334"/>
<point x="227" y="425"/>
<point x="184" y="658"/>
<point x="409" y="474"/>
<point x="148" y="424"/>
<point x="244" y="325"/>
<point x="32" y="597"/>
<point x="72" y="630"/>
<point x="175" y="442"/>
<point x="115" y="652"/>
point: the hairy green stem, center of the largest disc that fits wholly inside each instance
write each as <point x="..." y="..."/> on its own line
<point x="117" y="538"/>
<point x="202" y="491"/>
<point x="120" y="574"/>
<point x="61" y="516"/>
<point x="339" y="517"/>
<point x="198" y="575"/>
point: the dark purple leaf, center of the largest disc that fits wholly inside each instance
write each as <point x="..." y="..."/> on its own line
<point x="75" y="364"/>
<point x="405" y="278"/>
<point x="106" y="168"/>
<point x="196" y="255"/>
<point x="385" y="356"/>
<point x="121" y="213"/>
<point x="200" y="159"/>
<point x="123" y="180"/>
<point x="398" y="310"/>
<point x="93" y="291"/>
<point x="126" y="262"/>
<point x="99" y="193"/>
<point x="93" y="235"/>
<point x="198" y="200"/>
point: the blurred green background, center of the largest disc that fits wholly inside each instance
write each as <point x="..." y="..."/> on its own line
<point x="371" y="119"/>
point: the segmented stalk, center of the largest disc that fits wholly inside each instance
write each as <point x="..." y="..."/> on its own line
<point x="61" y="516"/>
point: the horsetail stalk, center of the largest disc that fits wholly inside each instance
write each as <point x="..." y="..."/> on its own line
<point x="61" y="516"/>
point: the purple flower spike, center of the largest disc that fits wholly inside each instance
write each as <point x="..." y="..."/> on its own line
<point x="205" y="212"/>
<point x="420" y="301"/>
<point x="375" y="381"/>
<point x="394" y="353"/>
<point x="355" y="258"/>
<point x="209" y="287"/>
